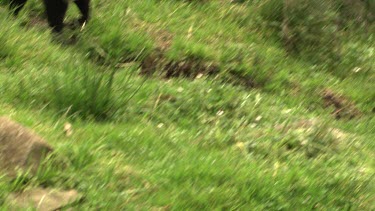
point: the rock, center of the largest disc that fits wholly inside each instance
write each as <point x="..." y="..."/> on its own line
<point x="20" y="148"/>
<point x="42" y="199"/>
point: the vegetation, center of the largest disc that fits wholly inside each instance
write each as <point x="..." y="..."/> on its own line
<point x="199" y="105"/>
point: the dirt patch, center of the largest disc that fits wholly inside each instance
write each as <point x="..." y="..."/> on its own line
<point x="246" y="81"/>
<point x="342" y="106"/>
<point x="188" y="68"/>
<point x="151" y="63"/>
<point x="157" y="61"/>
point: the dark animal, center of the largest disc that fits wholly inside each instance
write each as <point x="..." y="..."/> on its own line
<point x="56" y="10"/>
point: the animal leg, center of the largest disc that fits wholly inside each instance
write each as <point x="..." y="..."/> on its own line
<point x="17" y="5"/>
<point x="56" y="10"/>
<point x="84" y="8"/>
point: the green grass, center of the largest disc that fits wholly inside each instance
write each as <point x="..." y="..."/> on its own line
<point x="253" y="135"/>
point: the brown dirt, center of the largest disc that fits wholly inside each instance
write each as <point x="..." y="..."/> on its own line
<point x="246" y="81"/>
<point x="186" y="68"/>
<point x="157" y="61"/>
<point x="343" y="107"/>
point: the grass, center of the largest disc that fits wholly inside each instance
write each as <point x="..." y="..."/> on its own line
<point x="252" y="135"/>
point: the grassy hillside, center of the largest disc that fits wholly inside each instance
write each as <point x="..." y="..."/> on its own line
<point x="197" y="105"/>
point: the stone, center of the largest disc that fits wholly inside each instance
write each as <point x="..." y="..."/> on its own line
<point x="20" y="148"/>
<point x="42" y="199"/>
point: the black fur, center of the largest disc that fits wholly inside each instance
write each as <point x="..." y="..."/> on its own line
<point x="56" y="10"/>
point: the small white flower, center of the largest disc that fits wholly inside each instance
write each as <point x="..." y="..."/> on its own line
<point x="68" y="129"/>
<point x="356" y="69"/>
<point x="220" y="113"/>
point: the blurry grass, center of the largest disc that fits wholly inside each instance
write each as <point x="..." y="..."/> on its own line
<point x="187" y="144"/>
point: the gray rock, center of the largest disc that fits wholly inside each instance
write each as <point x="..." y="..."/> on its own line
<point x="20" y="148"/>
<point x="42" y="199"/>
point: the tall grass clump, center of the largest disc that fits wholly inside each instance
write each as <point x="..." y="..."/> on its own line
<point x="315" y="30"/>
<point x="79" y="93"/>
<point x="115" y="43"/>
<point x="305" y="27"/>
<point x="36" y="72"/>
<point x="83" y="92"/>
<point x="95" y="94"/>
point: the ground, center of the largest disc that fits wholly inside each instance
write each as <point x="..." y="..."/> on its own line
<point x="172" y="106"/>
